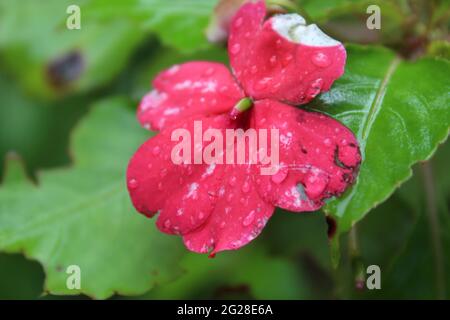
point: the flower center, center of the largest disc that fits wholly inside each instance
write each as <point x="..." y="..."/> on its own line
<point x="243" y="105"/>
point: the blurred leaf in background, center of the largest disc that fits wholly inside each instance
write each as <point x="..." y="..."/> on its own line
<point x="82" y="215"/>
<point x="38" y="131"/>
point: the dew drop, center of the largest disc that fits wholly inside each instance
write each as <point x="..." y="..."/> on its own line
<point x="235" y="48"/>
<point x="261" y="85"/>
<point x="249" y="219"/>
<point x="201" y="215"/>
<point x="209" y="71"/>
<point x="156" y="150"/>
<point x="246" y="187"/>
<point x="321" y="60"/>
<point x="287" y="59"/>
<point x="232" y="181"/>
<point x="133" y="184"/>
<point x="315" y="88"/>
<point x="315" y="185"/>
<point x="163" y="173"/>
<point x="273" y="60"/>
<point x="280" y="176"/>
<point x="238" y="22"/>
<point x="167" y="224"/>
<point x="254" y="69"/>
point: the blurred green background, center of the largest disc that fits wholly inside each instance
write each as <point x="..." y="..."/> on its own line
<point x="52" y="79"/>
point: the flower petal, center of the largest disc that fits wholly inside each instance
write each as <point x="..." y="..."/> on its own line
<point x="183" y="192"/>
<point x="239" y="216"/>
<point x="193" y="88"/>
<point x="318" y="156"/>
<point x="285" y="60"/>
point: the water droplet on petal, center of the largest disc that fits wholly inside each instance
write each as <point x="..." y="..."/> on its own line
<point x="315" y="184"/>
<point x="315" y="88"/>
<point x="321" y="60"/>
<point x="201" y="215"/>
<point x="238" y="22"/>
<point x="254" y="69"/>
<point x="246" y="187"/>
<point x="232" y="181"/>
<point x="156" y="150"/>
<point x="235" y="48"/>
<point x="249" y="219"/>
<point x="281" y="175"/>
<point x="163" y="173"/>
<point x="273" y="60"/>
<point x="167" y="224"/>
<point x="133" y="184"/>
<point x="209" y="71"/>
<point x="287" y="59"/>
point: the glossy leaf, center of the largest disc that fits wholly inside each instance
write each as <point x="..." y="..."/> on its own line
<point x="400" y="113"/>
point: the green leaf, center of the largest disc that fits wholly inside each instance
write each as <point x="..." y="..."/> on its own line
<point x="399" y="113"/>
<point x="35" y="130"/>
<point x="180" y="24"/>
<point x="83" y="216"/>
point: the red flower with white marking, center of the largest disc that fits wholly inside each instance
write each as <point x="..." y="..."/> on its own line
<point x="221" y="206"/>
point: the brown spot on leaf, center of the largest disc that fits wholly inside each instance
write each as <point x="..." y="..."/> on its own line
<point x="65" y="69"/>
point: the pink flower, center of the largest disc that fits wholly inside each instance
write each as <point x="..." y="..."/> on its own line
<point x="220" y="206"/>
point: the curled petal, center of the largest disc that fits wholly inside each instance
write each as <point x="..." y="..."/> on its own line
<point x="318" y="157"/>
<point x="239" y="216"/>
<point x="193" y="88"/>
<point x="286" y="59"/>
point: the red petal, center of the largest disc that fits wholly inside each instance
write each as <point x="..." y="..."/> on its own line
<point x="269" y="65"/>
<point x="319" y="157"/>
<point x="194" y="88"/>
<point x="238" y="218"/>
<point x="184" y="194"/>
